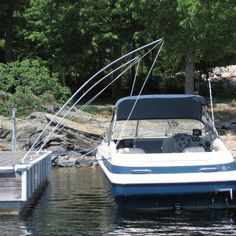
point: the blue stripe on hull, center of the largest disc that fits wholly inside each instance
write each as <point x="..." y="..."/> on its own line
<point x="170" y="169"/>
<point x="170" y="189"/>
<point x="187" y="196"/>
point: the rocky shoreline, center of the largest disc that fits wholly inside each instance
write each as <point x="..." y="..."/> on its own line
<point x="71" y="146"/>
<point x="75" y="145"/>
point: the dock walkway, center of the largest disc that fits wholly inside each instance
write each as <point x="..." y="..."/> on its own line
<point x="9" y="159"/>
<point x="20" y="180"/>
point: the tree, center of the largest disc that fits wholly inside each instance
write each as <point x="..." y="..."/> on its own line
<point x="28" y="86"/>
<point x="78" y="38"/>
<point x="9" y="17"/>
<point x="61" y="32"/>
<point x="194" y="30"/>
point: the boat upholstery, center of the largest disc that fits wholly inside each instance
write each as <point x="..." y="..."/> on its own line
<point x="168" y="145"/>
<point x="194" y="149"/>
<point x="130" y="151"/>
<point x="149" y="145"/>
<point x="156" y="145"/>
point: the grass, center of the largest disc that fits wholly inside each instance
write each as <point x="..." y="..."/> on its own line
<point x="228" y="101"/>
<point x="91" y="110"/>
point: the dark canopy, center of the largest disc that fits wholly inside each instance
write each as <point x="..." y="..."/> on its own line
<point x="161" y="107"/>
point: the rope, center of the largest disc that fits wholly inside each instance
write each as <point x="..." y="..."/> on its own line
<point x="57" y="129"/>
<point x="60" y="124"/>
<point x="212" y="110"/>
<point x="141" y="90"/>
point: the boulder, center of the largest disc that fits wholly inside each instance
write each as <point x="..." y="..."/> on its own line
<point x="39" y="116"/>
<point x="26" y="132"/>
<point x="230" y="124"/>
<point x="5" y="133"/>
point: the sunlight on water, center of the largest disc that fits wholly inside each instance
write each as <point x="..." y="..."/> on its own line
<point x="76" y="203"/>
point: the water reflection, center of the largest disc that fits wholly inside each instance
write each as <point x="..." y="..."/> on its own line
<point x="76" y="203"/>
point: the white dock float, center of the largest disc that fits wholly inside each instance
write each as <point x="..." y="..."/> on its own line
<point x="19" y="182"/>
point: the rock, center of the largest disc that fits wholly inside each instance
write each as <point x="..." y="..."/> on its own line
<point x="26" y="132"/>
<point x="5" y="146"/>
<point x="73" y="159"/>
<point x="66" y="161"/>
<point x="56" y="148"/>
<point x="230" y="124"/>
<point x="24" y="144"/>
<point x="84" y="163"/>
<point x="87" y="150"/>
<point x="70" y="135"/>
<point x="68" y="139"/>
<point x="5" y="133"/>
<point x="39" y="116"/>
<point x="52" y="108"/>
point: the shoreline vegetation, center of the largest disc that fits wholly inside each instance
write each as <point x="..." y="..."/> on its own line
<point x="48" y="49"/>
<point x="82" y="135"/>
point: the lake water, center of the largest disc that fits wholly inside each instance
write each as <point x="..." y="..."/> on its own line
<point x="75" y="202"/>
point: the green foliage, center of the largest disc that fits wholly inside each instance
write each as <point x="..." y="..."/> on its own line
<point x="28" y="85"/>
<point x="194" y="30"/>
<point x="233" y="103"/>
<point x="91" y="110"/>
<point x="77" y="38"/>
<point x="208" y="26"/>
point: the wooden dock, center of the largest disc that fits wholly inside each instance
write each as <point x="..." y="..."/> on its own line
<point x="21" y="179"/>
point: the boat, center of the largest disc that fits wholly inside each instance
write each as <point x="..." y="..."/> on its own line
<point x="163" y="152"/>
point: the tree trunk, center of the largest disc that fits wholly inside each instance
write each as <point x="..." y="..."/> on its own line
<point x="8" y="50"/>
<point x="189" y="75"/>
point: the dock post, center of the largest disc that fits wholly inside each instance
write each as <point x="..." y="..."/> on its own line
<point x="14" y="129"/>
<point x="24" y="186"/>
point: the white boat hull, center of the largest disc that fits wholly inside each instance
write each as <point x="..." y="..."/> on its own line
<point x="154" y="184"/>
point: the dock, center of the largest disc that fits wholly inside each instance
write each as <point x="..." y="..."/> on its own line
<point x="21" y="179"/>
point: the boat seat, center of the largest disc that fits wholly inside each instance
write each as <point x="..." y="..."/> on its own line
<point x="194" y="149"/>
<point x="130" y="151"/>
<point x="149" y="145"/>
<point x="168" y="145"/>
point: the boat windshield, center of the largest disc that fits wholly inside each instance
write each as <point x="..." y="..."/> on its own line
<point x="157" y="128"/>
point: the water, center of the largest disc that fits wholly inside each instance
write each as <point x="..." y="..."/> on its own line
<point x="76" y="203"/>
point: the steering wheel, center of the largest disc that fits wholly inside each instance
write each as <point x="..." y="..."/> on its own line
<point x="183" y="140"/>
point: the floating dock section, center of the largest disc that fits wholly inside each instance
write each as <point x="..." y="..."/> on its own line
<point x="21" y="179"/>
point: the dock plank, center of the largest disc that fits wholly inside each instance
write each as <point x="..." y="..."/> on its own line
<point x="11" y="158"/>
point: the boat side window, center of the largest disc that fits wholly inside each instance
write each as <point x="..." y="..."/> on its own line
<point x="124" y="129"/>
<point x="110" y="129"/>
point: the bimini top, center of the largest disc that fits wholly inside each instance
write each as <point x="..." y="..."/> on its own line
<point x="178" y="106"/>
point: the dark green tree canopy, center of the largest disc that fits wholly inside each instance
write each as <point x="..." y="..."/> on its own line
<point x="75" y="39"/>
<point x="28" y="86"/>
